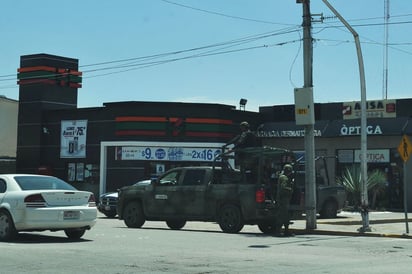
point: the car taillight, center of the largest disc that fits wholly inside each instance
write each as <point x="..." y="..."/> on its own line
<point x="92" y="201"/>
<point x="260" y="195"/>
<point x="35" y="200"/>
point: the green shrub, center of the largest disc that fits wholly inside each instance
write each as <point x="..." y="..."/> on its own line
<point x="351" y="180"/>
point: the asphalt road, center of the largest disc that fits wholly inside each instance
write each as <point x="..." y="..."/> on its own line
<point x="110" y="247"/>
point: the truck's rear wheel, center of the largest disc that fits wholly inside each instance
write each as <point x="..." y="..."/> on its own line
<point x="329" y="210"/>
<point x="267" y="227"/>
<point x="133" y="215"/>
<point x="230" y="219"/>
<point x="176" y="224"/>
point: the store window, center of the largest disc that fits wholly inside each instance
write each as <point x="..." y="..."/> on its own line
<point x="75" y="172"/>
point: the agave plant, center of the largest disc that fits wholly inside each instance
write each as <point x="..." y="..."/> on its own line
<point x="351" y="180"/>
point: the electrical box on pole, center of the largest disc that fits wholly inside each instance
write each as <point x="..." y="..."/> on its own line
<point x="304" y="107"/>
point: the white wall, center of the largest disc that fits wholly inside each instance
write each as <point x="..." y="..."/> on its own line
<point x="8" y="127"/>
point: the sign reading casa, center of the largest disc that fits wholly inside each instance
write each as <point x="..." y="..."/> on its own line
<point x="374" y="109"/>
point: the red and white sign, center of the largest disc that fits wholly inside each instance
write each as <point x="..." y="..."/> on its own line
<point x="374" y="109"/>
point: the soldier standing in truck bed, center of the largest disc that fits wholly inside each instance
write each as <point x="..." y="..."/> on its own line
<point x="246" y="138"/>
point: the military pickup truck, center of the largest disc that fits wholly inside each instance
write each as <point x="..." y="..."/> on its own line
<point x="218" y="193"/>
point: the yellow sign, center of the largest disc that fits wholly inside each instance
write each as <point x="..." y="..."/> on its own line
<point x="302" y="111"/>
<point x="405" y="148"/>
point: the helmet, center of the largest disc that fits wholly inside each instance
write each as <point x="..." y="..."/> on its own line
<point x="244" y="124"/>
<point x="288" y="167"/>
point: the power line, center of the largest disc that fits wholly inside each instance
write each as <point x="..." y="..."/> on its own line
<point x="150" y="64"/>
<point x="370" y="24"/>
<point x="231" y="43"/>
<point x="380" y="18"/>
<point x="372" y="42"/>
<point x="161" y="62"/>
<point x="224" y="15"/>
<point x="213" y="49"/>
<point x="249" y="38"/>
<point x="148" y="60"/>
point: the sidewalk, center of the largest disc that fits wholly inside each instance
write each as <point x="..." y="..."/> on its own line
<point x="381" y="224"/>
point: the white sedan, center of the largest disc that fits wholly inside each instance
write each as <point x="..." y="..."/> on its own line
<point x="36" y="203"/>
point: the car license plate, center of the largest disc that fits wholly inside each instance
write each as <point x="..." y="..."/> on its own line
<point x="107" y="207"/>
<point x="71" y="215"/>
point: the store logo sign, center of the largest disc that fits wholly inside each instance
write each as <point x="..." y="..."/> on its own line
<point x="374" y="109"/>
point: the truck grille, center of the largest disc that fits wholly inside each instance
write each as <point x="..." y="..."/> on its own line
<point x="110" y="201"/>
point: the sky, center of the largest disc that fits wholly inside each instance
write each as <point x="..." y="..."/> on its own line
<point x="212" y="51"/>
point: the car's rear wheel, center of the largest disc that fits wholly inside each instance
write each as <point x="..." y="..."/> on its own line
<point x="230" y="219"/>
<point x="176" y="224"/>
<point x="133" y="215"/>
<point x="7" y="230"/>
<point x="74" y="234"/>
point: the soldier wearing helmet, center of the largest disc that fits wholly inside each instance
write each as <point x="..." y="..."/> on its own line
<point x="246" y="138"/>
<point x="284" y="194"/>
<point x="287" y="169"/>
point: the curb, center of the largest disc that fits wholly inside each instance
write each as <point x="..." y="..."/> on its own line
<point x="348" y="233"/>
<point x="359" y="222"/>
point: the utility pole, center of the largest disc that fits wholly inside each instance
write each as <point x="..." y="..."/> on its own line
<point x="310" y="181"/>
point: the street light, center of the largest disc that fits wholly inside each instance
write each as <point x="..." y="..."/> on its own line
<point x="364" y="168"/>
<point x="242" y="103"/>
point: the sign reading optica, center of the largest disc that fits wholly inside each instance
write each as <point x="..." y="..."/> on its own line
<point x="167" y="153"/>
<point x="374" y="156"/>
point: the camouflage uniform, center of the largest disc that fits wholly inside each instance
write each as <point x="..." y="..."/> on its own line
<point x="245" y="139"/>
<point x="284" y="194"/>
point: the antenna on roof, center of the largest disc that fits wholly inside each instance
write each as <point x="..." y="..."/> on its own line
<point x="385" y="53"/>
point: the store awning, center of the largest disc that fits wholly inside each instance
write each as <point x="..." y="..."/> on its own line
<point x="288" y="129"/>
<point x="338" y="128"/>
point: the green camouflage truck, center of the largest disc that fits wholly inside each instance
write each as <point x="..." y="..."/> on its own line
<point x="218" y="193"/>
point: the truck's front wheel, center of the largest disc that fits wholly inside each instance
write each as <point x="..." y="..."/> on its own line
<point x="133" y="215"/>
<point x="230" y="219"/>
<point x="176" y="224"/>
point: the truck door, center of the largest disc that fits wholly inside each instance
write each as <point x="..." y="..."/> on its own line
<point x="162" y="201"/>
<point x="191" y="194"/>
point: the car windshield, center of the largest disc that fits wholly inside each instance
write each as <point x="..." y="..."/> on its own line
<point x="40" y="182"/>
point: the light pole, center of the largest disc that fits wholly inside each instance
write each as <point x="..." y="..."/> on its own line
<point x="364" y="168"/>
